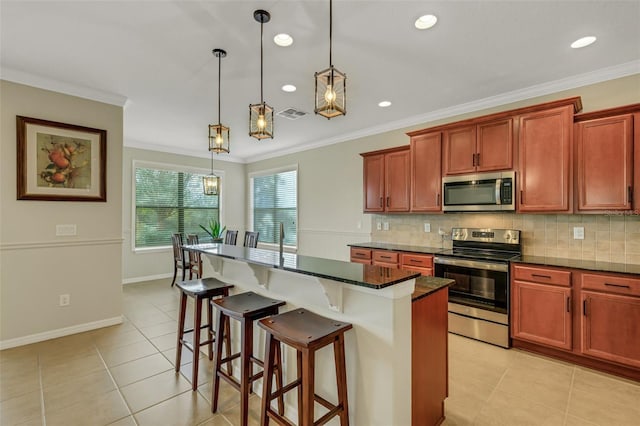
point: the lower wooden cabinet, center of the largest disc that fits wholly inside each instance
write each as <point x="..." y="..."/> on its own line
<point x="386" y="258"/>
<point x="417" y="262"/>
<point x="361" y="255"/>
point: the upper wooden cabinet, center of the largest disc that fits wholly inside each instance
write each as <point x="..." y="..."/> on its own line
<point x="545" y="178"/>
<point x="425" y="172"/>
<point x="386" y="180"/>
<point x="605" y="147"/>
<point x="478" y="148"/>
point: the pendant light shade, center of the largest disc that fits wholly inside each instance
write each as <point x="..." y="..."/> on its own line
<point x="261" y="115"/>
<point x="331" y="84"/>
<point x="211" y="183"/>
<point x="218" y="133"/>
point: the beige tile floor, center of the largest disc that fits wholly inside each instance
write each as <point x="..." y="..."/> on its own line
<point x="124" y="375"/>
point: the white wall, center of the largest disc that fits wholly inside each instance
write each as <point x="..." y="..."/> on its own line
<point x="36" y="266"/>
<point x="148" y="264"/>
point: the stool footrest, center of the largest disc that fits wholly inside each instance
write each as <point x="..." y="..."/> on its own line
<point x="278" y="418"/>
<point x="229" y="379"/>
<point x="285" y="389"/>
<point x="320" y="400"/>
<point x="328" y="416"/>
<point x="229" y="358"/>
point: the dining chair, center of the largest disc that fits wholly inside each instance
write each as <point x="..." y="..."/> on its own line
<point x="231" y="237"/>
<point x="179" y="260"/>
<point x="251" y="239"/>
<point x="195" y="259"/>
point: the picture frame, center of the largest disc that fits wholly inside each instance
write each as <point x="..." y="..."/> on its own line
<point x="60" y="162"/>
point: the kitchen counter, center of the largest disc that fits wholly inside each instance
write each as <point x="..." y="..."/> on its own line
<point x="590" y="265"/>
<point x="397" y="247"/>
<point x="428" y="285"/>
<point x="376" y="277"/>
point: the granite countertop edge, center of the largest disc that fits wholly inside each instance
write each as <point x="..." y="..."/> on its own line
<point x="428" y="285"/>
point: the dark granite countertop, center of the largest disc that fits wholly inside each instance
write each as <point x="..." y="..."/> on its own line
<point x="590" y="265"/>
<point x="427" y="285"/>
<point x="397" y="247"/>
<point x="376" y="277"/>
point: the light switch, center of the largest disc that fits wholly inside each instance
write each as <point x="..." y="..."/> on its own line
<point x="578" y="232"/>
<point x="385" y="226"/>
<point x="379" y="226"/>
<point x="427" y="227"/>
<point x="65" y="230"/>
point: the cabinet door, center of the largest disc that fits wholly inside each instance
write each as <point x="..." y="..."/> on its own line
<point x="541" y="313"/>
<point x="373" y="169"/>
<point x="397" y="177"/>
<point x="495" y="146"/>
<point x="604" y="150"/>
<point x="636" y="162"/>
<point x="610" y="328"/>
<point x="425" y="172"/>
<point x="458" y="155"/>
<point x="545" y="160"/>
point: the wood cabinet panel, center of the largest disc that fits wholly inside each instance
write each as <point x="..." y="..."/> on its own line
<point x="610" y="328"/>
<point x="386" y="257"/>
<point x="420" y="260"/>
<point x="604" y="150"/>
<point x="636" y="162"/>
<point x="426" y="177"/>
<point x="397" y="177"/>
<point x="459" y="150"/>
<point x="495" y="146"/>
<point x="611" y="284"/>
<point x="541" y="313"/>
<point x="545" y="160"/>
<point x="373" y="169"/>
<point x="542" y="275"/>
<point x="361" y="255"/>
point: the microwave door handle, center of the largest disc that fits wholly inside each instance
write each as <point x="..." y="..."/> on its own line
<point x="498" y="186"/>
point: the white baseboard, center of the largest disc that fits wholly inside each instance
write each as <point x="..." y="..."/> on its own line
<point x="148" y="278"/>
<point x="60" y="332"/>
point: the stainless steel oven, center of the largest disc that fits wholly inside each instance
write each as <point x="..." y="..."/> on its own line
<point x="479" y="298"/>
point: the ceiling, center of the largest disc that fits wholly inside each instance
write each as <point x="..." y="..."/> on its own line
<point x="156" y="56"/>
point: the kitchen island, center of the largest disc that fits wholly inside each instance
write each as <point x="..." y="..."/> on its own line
<point x="376" y="300"/>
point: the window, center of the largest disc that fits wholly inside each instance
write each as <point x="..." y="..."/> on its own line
<point x="167" y="201"/>
<point x="274" y="198"/>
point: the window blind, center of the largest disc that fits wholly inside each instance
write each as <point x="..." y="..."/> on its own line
<point x="275" y="200"/>
<point x="170" y="201"/>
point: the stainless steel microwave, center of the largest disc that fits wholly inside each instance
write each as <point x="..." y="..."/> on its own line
<point x="479" y="192"/>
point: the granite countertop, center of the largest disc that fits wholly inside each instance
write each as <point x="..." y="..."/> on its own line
<point x="371" y="276"/>
<point x="427" y="285"/>
<point x="590" y="265"/>
<point x="397" y="247"/>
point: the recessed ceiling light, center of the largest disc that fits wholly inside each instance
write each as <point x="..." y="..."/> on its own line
<point x="583" y="42"/>
<point x="289" y="88"/>
<point x="384" y="104"/>
<point x="283" y="40"/>
<point x="426" y="21"/>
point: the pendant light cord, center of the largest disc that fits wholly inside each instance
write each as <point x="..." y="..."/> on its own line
<point x="330" y="30"/>
<point x="261" y="60"/>
<point x="219" y="68"/>
<point x="211" y="162"/>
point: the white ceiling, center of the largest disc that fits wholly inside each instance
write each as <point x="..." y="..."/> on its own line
<point x="157" y="56"/>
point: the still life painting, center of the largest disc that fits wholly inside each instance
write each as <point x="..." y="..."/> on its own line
<point x="60" y="162"/>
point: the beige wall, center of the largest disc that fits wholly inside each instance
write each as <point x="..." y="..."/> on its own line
<point x="330" y="192"/>
<point x="141" y="265"/>
<point x="36" y="265"/>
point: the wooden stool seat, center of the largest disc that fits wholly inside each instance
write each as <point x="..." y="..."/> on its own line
<point x="245" y="308"/>
<point x="306" y="332"/>
<point x="201" y="290"/>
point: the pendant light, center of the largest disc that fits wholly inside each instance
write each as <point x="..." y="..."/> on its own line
<point x="219" y="134"/>
<point x="261" y="115"/>
<point x="211" y="183"/>
<point x="331" y="84"/>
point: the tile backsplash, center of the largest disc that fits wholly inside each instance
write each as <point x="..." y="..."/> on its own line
<point x="611" y="238"/>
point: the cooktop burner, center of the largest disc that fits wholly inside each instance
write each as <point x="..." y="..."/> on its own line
<point x="484" y="244"/>
<point x="480" y="254"/>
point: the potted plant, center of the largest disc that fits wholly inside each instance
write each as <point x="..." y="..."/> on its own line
<point x="215" y="230"/>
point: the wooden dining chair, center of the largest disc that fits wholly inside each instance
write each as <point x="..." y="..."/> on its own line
<point x="251" y="239"/>
<point x="231" y="237"/>
<point x="179" y="259"/>
<point x="195" y="259"/>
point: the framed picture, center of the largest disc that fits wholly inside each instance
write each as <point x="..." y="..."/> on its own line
<point x="61" y="162"/>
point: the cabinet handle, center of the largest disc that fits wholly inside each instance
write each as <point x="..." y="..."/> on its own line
<point x="381" y="205"/>
<point x="630" y="192"/>
<point x="385" y="257"/>
<point x="584" y="307"/>
<point x="541" y="276"/>
<point x="438" y="200"/>
<point x="473" y="160"/>
<point x="521" y="196"/>
<point x="388" y="201"/>
<point x="478" y="159"/>
<point x="568" y="304"/>
<point x="617" y="285"/>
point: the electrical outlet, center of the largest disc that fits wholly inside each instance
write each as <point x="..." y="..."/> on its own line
<point x="65" y="300"/>
<point x="65" y="230"/>
<point x="379" y="226"/>
<point x="578" y="232"/>
<point x="385" y="226"/>
<point x="427" y="227"/>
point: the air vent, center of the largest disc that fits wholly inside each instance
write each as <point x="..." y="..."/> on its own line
<point x="291" y="113"/>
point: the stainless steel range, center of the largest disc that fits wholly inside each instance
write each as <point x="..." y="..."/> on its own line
<point x="479" y="264"/>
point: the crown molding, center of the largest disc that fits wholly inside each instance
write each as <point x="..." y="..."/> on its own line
<point x="42" y="82"/>
<point x="131" y="143"/>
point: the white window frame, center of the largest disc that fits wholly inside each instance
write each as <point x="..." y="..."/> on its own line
<point x="141" y="164"/>
<point x="267" y="172"/>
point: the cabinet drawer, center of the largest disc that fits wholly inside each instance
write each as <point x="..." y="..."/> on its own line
<point x="542" y="275"/>
<point x="417" y="260"/>
<point x="611" y="284"/>
<point x="427" y="272"/>
<point x="360" y="253"/>
<point x="385" y="256"/>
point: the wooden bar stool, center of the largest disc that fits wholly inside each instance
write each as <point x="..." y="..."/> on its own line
<point x="246" y="308"/>
<point x="306" y="332"/>
<point x="201" y="290"/>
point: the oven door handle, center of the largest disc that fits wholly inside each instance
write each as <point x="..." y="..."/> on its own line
<point x="498" y="195"/>
<point x="485" y="265"/>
